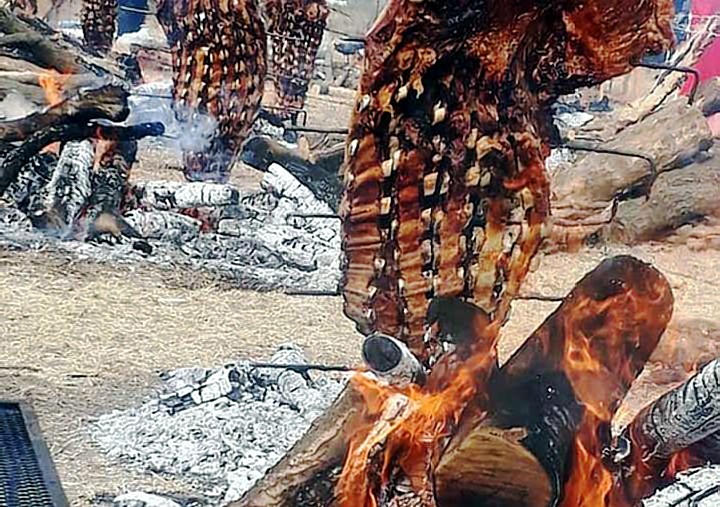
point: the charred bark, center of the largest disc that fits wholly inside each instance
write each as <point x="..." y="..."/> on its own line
<point x="306" y="476"/>
<point x="321" y="176"/>
<point x="107" y="102"/>
<point x="16" y="159"/>
<point x="544" y="402"/>
<point x="685" y="416"/>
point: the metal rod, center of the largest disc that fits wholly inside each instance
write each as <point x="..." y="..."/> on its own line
<point x="677" y="68"/>
<point x="301" y="368"/>
<point x="621" y="153"/>
<point x="318" y="130"/>
<point x="327" y="216"/>
<point x="135" y="9"/>
<point x="152" y="95"/>
<point x="318" y="293"/>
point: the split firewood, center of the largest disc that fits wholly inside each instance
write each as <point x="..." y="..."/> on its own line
<point x="32" y="40"/>
<point x="69" y="188"/>
<point x="679" y="197"/>
<point x="108" y="102"/>
<point x="173" y="195"/>
<point x="552" y="397"/>
<point x="308" y="474"/>
<point x="320" y="173"/>
<point x="109" y="185"/>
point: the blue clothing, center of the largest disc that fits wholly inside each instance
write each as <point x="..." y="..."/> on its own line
<point x="130" y="21"/>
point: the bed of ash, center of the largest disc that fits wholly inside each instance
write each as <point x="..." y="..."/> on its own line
<point x="216" y="430"/>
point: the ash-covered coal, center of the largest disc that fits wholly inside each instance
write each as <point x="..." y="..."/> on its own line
<point x="698" y="487"/>
<point x="219" y="430"/>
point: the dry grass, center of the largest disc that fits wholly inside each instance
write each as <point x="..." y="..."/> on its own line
<point x="83" y="339"/>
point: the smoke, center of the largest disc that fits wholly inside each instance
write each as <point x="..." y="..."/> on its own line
<point x="152" y="102"/>
<point x="15" y="105"/>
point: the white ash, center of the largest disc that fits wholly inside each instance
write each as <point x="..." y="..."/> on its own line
<point x="222" y="446"/>
<point x="69" y="187"/>
<point x="699" y="487"/>
<point x="173" y="195"/>
<point x="258" y="243"/>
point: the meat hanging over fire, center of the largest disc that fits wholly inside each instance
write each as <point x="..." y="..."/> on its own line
<point x="99" y="18"/>
<point x="295" y="28"/>
<point x="219" y="70"/>
<point x="446" y="195"/>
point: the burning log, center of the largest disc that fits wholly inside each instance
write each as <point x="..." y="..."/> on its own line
<point x="548" y="408"/>
<point x="319" y="174"/>
<point x="551" y="404"/>
<point x="109" y="185"/>
<point x="69" y="187"/>
<point x="107" y="102"/>
<point x="172" y="195"/>
<point x="296" y="30"/>
<point x="221" y="75"/>
<point x="99" y="18"/>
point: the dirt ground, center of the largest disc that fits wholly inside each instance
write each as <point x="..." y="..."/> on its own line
<point x="81" y="339"/>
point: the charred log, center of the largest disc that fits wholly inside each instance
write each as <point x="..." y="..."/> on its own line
<point x="99" y="18"/>
<point x="685" y="416"/>
<point x="309" y="472"/>
<point x="109" y="186"/>
<point x="221" y="75"/>
<point x="16" y="159"/>
<point x="32" y="40"/>
<point x="321" y="176"/>
<point x="296" y="30"/>
<point x="543" y="404"/>
<point x="107" y="102"/>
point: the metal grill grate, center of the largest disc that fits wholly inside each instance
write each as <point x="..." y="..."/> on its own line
<point x="27" y="476"/>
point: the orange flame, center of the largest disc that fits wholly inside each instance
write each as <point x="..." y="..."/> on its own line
<point x="680" y="462"/>
<point x="589" y="483"/>
<point x="52" y="84"/>
<point x="407" y="424"/>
